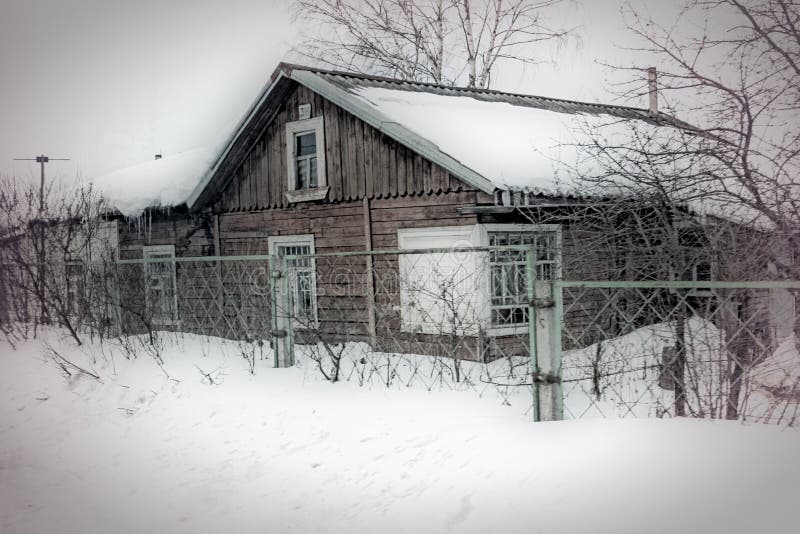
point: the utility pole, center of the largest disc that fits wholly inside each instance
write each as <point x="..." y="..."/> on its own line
<point x="41" y="160"/>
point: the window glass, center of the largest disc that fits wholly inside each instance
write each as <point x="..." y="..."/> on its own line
<point x="306" y="144"/>
<point x="312" y="179"/>
<point x="703" y="272"/>
<point x="301" y="173"/>
<point x="301" y="281"/>
<point x="507" y="271"/>
<point x="306" y="160"/>
<point x="160" y="294"/>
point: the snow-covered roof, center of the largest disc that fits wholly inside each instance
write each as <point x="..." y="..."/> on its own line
<point x="489" y="139"/>
<point x="512" y="146"/>
<point x="161" y="182"/>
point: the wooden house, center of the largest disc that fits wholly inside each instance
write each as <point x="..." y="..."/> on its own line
<point x="329" y="161"/>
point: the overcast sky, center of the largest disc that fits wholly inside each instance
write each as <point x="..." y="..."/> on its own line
<point x="110" y="83"/>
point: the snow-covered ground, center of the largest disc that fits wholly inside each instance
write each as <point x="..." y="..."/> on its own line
<point x="283" y="451"/>
<point x="629" y="368"/>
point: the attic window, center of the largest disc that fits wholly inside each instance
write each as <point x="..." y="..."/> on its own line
<point x="305" y="160"/>
<point x="305" y="151"/>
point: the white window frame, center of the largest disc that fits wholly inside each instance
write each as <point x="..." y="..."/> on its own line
<point x="409" y="265"/>
<point x="712" y="276"/>
<point x="298" y="240"/>
<point x="485" y="230"/>
<point x="476" y="235"/>
<point x="148" y="252"/>
<point x="294" y="128"/>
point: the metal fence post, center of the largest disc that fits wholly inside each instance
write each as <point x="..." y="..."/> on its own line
<point x="533" y="345"/>
<point x="544" y="328"/>
<point x="288" y="305"/>
<point x="558" y="317"/>
<point x="278" y="333"/>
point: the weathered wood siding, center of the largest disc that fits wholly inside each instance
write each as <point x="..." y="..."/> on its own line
<point x="361" y="162"/>
<point x="192" y="235"/>
<point x="342" y="288"/>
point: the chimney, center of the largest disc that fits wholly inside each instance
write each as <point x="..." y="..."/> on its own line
<point x="158" y="156"/>
<point x="652" y="89"/>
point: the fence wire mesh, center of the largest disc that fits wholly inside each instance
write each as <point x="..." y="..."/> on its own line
<point x="459" y="319"/>
<point x="410" y="319"/>
<point x="706" y="350"/>
<point x="436" y="319"/>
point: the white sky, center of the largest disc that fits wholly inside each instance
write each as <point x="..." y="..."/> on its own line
<point x="110" y="83"/>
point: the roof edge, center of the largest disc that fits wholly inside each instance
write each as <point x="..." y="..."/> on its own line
<point x="279" y="73"/>
<point x="311" y="78"/>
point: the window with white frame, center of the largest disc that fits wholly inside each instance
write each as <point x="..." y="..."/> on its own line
<point x="507" y="270"/>
<point x="305" y="149"/>
<point x="441" y="292"/>
<point x="161" y="297"/>
<point x="301" y="276"/>
<point x="489" y="289"/>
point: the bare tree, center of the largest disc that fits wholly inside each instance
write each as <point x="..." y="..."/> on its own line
<point x="719" y="196"/>
<point x="736" y="77"/>
<point x="445" y="42"/>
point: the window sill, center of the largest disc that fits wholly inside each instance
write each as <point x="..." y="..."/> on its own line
<point x="307" y="195"/>
<point x="508" y="330"/>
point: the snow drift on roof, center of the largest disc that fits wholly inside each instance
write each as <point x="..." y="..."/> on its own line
<point x="163" y="182"/>
<point x="512" y="146"/>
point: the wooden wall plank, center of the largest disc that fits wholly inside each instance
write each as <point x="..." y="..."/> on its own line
<point x="280" y="178"/>
<point x="361" y="161"/>
<point x="361" y="166"/>
<point x="369" y="172"/>
<point x="333" y="154"/>
<point x="348" y="151"/>
<point x="400" y="177"/>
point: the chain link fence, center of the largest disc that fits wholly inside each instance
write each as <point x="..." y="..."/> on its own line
<point x="435" y="318"/>
<point x="720" y="350"/>
<point x="489" y="320"/>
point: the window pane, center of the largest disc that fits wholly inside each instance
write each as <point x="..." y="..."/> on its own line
<point x="545" y="271"/>
<point x="520" y="291"/>
<point x="301" y="280"/>
<point x="160" y="287"/>
<point x="545" y="247"/>
<point x="508" y="273"/>
<point x="305" y="144"/>
<point x="303" y="295"/>
<point x="703" y="272"/>
<point x="301" y="173"/>
<point x="312" y="180"/>
<point x="497" y="285"/>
